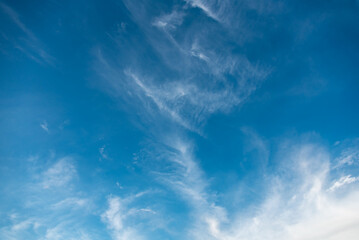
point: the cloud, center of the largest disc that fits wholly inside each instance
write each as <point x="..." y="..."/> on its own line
<point x="15" y="18"/>
<point x="103" y="153"/>
<point x="184" y="102"/>
<point x="348" y="157"/>
<point x="45" y="228"/>
<point x="255" y="143"/>
<point x="186" y="176"/>
<point x="169" y="21"/>
<point x="44" y="126"/>
<point x="24" y="225"/>
<point x="298" y="200"/>
<point x="227" y="12"/>
<point x="178" y="171"/>
<point x="343" y="181"/>
<point x="72" y="202"/>
<point x="49" y="215"/>
<point x="116" y="216"/>
<point x="197" y="73"/>
<point x="206" y="7"/>
<point x="193" y="78"/>
<point x="59" y="174"/>
<point x="31" y="45"/>
<point x="66" y="231"/>
<point x="297" y="205"/>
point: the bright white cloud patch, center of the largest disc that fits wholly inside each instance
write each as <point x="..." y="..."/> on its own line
<point x="343" y="181"/>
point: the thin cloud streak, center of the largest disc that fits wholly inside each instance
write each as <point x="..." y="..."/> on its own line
<point x="32" y="46"/>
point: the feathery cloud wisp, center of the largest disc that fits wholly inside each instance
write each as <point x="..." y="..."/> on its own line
<point x="32" y="46"/>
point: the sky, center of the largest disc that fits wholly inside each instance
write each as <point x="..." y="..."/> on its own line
<point x="179" y="119"/>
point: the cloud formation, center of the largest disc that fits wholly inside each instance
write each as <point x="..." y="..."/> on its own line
<point x="197" y="76"/>
<point x="59" y="174"/>
<point x="30" y="45"/>
<point x="115" y="216"/>
<point x="299" y="201"/>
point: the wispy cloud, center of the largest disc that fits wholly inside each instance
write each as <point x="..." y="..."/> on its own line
<point x="206" y="7"/>
<point x="59" y="174"/>
<point x="197" y="76"/>
<point x="348" y="156"/>
<point x="30" y="45"/>
<point x="66" y="231"/>
<point x="44" y="126"/>
<point x="343" y="181"/>
<point x="298" y="207"/>
<point x="72" y="202"/>
<point x="119" y="214"/>
<point x="299" y="201"/>
<point x="185" y="102"/>
<point x="179" y="171"/>
<point x="227" y="11"/>
<point x="103" y="153"/>
<point x="169" y="21"/>
<point x="43" y="215"/>
<point x="24" y="225"/>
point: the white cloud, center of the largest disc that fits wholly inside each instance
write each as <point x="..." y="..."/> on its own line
<point x="343" y="181"/>
<point x="298" y="207"/>
<point x="49" y="215"/>
<point x="197" y="52"/>
<point x="169" y="21"/>
<point x="44" y="126"/>
<point x="72" y="202"/>
<point x="297" y="204"/>
<point x="348" y="157"/>
<point x="186" y="103"/>
<point x="59" y="174"/>
<point x="65" y="231"/>
<point x="227" y="11"/>
<point x="348" y="153"/>
<point x="207" y="76"/>
<point x="181" y="173"/>
<point x="24" y="225"/>
<point x="116" y="216"/>
<point x="206" y="6"/>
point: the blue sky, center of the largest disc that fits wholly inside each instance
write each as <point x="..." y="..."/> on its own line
<point x="192" y="119"/>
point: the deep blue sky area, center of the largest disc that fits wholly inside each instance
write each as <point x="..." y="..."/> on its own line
<point x="184" y="119"/>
